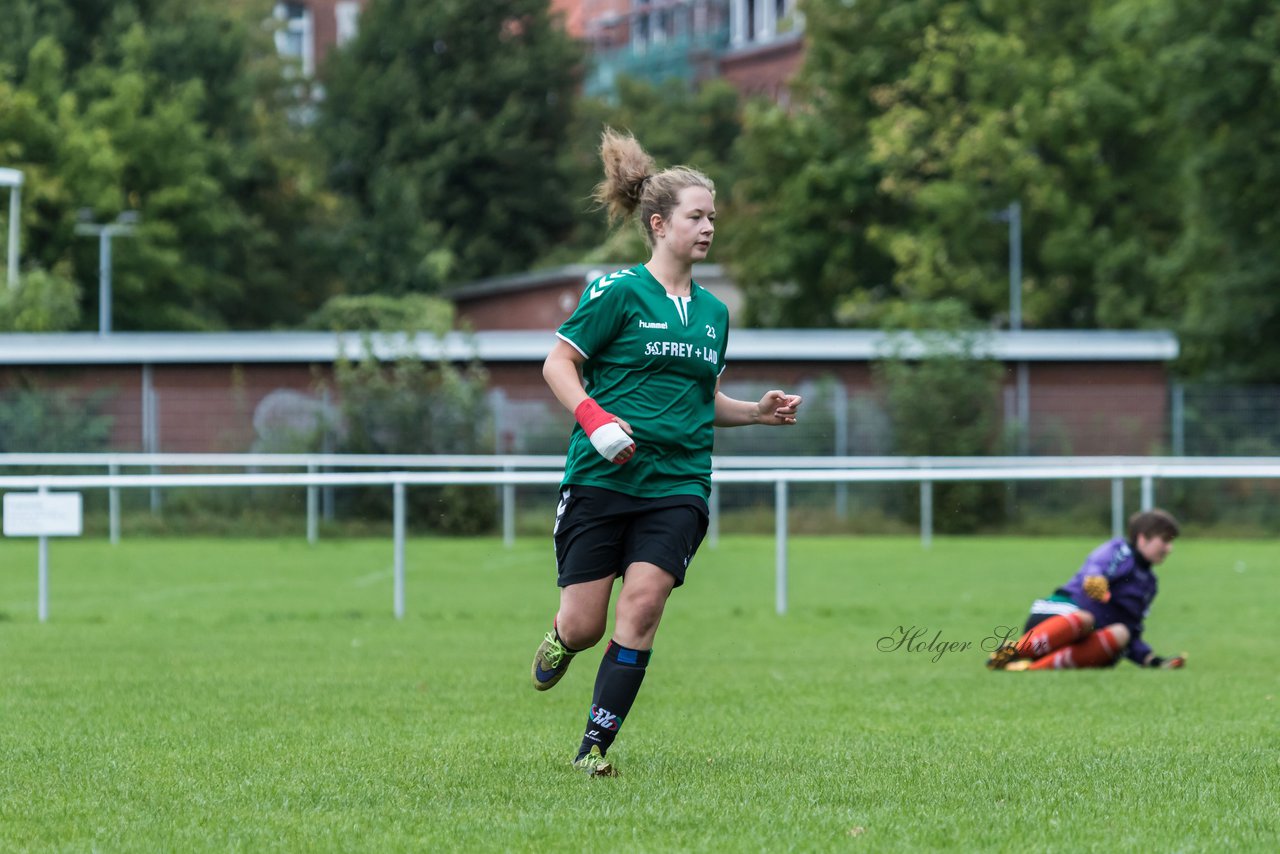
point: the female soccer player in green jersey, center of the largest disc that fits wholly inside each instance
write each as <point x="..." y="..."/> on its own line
<point x="638" y="364"/>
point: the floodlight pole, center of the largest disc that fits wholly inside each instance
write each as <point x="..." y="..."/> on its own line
<point x="1013" y="215"/>
<point x="124" y="226"/>
<point x="1015" y="266"/>
<point x="12" y="178"/>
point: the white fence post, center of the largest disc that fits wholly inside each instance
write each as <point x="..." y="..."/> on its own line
<point x="313" y="509"/>
<point x="780" y="544"/>
<point x="113" y="507"/>
<point x="508" y="511"/>
<point x="1117" y="507"/>
<point x="840" y="405"/>
<point x="398" y="492"/>
<point x="926" y="514"/>
<point x="42" y="573"/>
<point x="713" y="514"/>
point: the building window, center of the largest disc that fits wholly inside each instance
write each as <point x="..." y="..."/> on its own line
<point x="294" y="38"/>
<point x="347" y="16"/>
<point x="640" y="32"/>
<point x="761" y="21"/>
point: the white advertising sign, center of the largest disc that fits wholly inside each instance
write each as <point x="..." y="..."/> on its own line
<point x="48" y="514"/>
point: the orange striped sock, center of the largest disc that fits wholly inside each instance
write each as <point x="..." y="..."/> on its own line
<point x="1097" y="650"/>
<point x="1055" y="632"/>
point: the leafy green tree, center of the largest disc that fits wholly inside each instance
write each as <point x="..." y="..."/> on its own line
<point x="414" y="408"/>
<point x="808" y="191"/>
<point x="378" y="313"/>
<point x="921" y="119"/>
<point x="941" y="393"/>
<point x="38" y="420"/>
<point x="41" y="302"/>
<point x="677" y="125"/>
<point x="445" y="122"/>
<point x="1034" y="103"/>
<point x="179" y="110"/>
<point x="1216" y="68"/>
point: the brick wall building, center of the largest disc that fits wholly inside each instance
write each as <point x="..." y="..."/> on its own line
<point x="1086" y="392"/>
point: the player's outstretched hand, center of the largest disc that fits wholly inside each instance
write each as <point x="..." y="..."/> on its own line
<point x="778" y="407"/>
<point x="1175" y="663"/>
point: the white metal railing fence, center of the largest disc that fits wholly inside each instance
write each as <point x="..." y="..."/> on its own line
<point x="319" y="463"/>
<point x="1147" y="470"/>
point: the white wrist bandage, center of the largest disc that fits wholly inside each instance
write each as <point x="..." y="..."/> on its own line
<point x="610" y="440"/>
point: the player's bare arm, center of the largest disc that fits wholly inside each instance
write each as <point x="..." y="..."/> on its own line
<point x="775" y="408"/>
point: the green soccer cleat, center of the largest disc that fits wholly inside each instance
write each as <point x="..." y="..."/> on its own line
<point x="595" y="765"/>
<point x="550" y="662"/>
<point x="1000" y="659"/>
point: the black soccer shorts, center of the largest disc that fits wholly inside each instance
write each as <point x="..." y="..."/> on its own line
<point x="599" y="533"/>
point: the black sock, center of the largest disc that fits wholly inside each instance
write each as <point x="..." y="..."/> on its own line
<point x="617" y="683"/>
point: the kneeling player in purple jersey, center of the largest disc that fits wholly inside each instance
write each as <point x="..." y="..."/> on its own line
<point x="1098" y="615"/>
<point x="639" y="365"/>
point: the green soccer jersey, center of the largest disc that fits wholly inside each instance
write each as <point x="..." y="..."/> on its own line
<point x="652" y="359"/>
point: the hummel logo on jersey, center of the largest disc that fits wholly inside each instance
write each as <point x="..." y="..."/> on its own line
<point x="597" y="290"/>
<point x="604" y="717"/>
<point x="644" y="324"/>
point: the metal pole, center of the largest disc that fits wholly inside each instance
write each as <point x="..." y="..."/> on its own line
<point x="1015" y="266"/>
<point x="313" y="503"/>
<point x="398" y="492"/>
<point x="151" y="427"/>
<point x="840" y="403"/>
<point x="113" y="507"/>
<point x="43" y="602"/>
<point x="926" y="514"/>
<point x="508" y="511"/>
<point x="713" y="514"/>
<point x="326" y="448"/>
<point x="1178" y="417"/>
<point x="1117" y="507"/>
<point x="42" y="575"/>
<point x="780" y="538"/>
<point x="15" y="209"/>
<point x="155" y="440"/>
<point x="104" y="281"/>
<point x="1024" y="409"/>
<point x="1148" y="492"/>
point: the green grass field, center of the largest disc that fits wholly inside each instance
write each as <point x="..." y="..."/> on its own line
<point x="193" y="695"/>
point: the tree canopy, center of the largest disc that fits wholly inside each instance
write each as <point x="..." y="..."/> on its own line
<point x="1138" y="137"/>
<point x="177" y="110"/>
<point x="446" y="122"/>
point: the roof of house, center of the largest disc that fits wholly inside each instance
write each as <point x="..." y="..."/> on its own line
<point x="809" y="345"/>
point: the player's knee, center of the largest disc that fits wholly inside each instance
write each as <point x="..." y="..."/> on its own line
<point x="1120" y="632"/>
<point x="645" y="611"/>
<point x="640" y="614"/>
<point x="1086" y="620"/>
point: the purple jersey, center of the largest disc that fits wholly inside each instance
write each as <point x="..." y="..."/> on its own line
<point x="1133" y="587"/>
